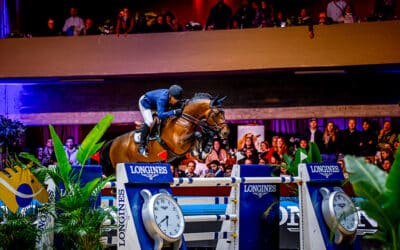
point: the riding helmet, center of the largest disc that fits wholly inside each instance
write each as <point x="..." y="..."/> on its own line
<point x="176" y="91"/>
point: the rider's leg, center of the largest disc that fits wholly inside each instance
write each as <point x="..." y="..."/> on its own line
<point x="148" y="120"/>
<point x="143" y="140"/>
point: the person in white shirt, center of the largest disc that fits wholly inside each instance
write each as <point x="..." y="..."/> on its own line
<point x="73" y="24"/>
<point x="335" y="10"/>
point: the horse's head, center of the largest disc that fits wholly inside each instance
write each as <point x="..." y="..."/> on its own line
<point x="208" y="111"/>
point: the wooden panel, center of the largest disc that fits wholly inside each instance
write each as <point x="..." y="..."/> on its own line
<point x="211" y="51"/>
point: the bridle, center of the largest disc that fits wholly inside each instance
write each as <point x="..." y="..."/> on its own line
<point x="208" y="125"/>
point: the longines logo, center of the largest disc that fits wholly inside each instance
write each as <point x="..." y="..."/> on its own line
<point x="325" y="170"/>
<point x="260" y="189"/>
<point x="122" y="217"/>
<point x="149" y="171"/>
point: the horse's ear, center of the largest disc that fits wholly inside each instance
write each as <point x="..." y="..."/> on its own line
<point x="216" y="102"/>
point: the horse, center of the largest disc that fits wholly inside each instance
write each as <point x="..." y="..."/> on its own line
<point x="202" y="118"/>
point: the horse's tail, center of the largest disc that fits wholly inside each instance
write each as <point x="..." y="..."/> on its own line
<point x="105" y="161"/>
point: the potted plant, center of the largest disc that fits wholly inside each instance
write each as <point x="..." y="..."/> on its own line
<point x="380" y="193"/>
<point x="78" y="222"/>
<point x="11" y="134"/>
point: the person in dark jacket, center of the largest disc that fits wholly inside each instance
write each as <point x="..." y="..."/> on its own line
<point x="160" y="100"/>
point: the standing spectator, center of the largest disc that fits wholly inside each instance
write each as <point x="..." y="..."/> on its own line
<point x="39" y="153"/>
<point x="160" y="25"/>
<point x="244" y="15"/>
<point x="335" y="10"/>
<point x="90" y="28"/>
<point x="220" y="17"/>
<point x="71" y="150"/>
<point x="368" y="139"/>
<point x="386" y="135"/>
<point x="350" y="139"/>
<point x="51" y="28"/>
<point x="141" y="24"/>
<point x="49" y="156"/>
<point x="313" y="133"/>
<point x="73" y="24"/>
<point x="125" y="22"/>
<point x="329" y="147"/>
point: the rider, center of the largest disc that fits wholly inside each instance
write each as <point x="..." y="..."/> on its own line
<point x="159" y="100"/>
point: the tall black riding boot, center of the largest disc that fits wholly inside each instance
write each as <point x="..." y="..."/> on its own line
<point x="143" y="140"/>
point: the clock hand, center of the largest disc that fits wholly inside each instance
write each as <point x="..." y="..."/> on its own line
<point x="165" y="219"/>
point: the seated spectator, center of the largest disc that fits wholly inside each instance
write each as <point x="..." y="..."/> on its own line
<point x="215" y="169"/>
<point x="217" y="153"/>
<point x="190" y="169"/>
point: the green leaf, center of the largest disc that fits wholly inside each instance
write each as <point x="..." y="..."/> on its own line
<point x="370" y="183"/>
<point x="63" y="164"/>
<point x="360" y="171"/>
<point x="392" y="193"/>
<point x="314" y="154"/>
<point x="90" y="144"/>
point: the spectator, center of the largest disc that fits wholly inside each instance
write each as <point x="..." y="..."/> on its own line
<point x="90" y="28"/>
<point x="73" y="24"/>
<point x="49" y="156"/>
<point x="125" y="22"/>
<point x="313" y="133"/>
<point x="220" y="17"/>
<point x="386" y="135"/>
<point x="350" y="139"/>
<point x="190" y="169"/>
<point x="71" y="150"/>
<point x="368" y="140"/>
<point x="335" y="10"/>
<point x="52" y="29"/>
<point x="329" y="147"/>
<point x="217" y="153"/>
<point x="215" y="169"/>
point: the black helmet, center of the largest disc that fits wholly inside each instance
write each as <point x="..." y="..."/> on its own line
<point x="176" y="91"/>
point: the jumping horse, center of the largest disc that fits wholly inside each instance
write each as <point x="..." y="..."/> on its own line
<point x="202" y="118"/>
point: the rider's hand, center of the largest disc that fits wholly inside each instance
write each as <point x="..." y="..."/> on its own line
<point x="177" y="112"/>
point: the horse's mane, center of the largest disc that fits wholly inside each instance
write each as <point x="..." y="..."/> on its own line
<point x="201" y="96"/>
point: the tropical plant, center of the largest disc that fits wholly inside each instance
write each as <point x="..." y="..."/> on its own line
<point x="17" y="230"/>
<point x="11" y="134"/>
<point x="302" y="156"/>
<point x="380" y="193"/>
<point x="78" y="220"/>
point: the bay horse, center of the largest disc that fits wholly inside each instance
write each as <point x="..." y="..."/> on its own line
<point x="202" y="118"/>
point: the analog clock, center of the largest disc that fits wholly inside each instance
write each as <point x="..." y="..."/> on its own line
<point x="340" y="214"/>
<point x="162" y="218"/>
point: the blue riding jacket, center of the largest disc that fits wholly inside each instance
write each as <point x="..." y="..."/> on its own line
<point x="157" y="100"/>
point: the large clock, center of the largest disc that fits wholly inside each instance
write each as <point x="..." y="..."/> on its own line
<point x="162" y="218"/>
<point x="340" y="214"/>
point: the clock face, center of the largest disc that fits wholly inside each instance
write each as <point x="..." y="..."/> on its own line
<point x="168" y="216"/>
<point x="345" y="211"/>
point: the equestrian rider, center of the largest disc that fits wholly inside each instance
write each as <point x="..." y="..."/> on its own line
<point x="159" y="100"/>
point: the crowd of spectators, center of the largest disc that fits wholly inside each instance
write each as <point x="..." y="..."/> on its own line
<point x="375" y="146"/>
<point x="250" y="14"/>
